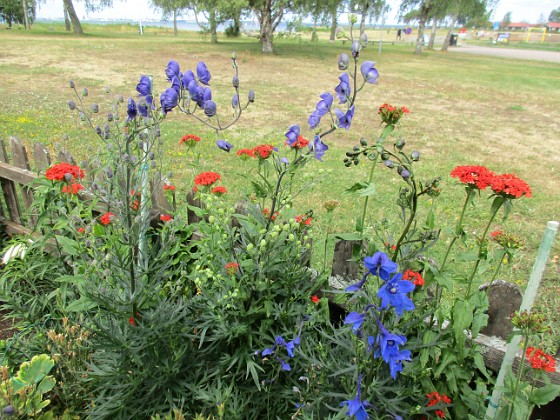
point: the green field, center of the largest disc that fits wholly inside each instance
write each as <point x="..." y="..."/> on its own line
<point x="501" y="113"/>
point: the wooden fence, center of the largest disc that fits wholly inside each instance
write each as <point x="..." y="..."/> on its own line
<point x="17" y="196"/>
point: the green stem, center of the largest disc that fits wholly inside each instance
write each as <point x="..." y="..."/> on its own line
<point x="480" y="245"/>
<point x="363" y="218"/>
<point x="458" y="227"/>
<point x="413" y="209"/>
<point x="519" y="376"/>
<point x="498" y="268"/>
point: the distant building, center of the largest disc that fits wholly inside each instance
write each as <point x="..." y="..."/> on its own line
<point x="553" y="27"/>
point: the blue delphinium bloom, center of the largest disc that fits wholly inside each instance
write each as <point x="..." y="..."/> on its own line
<point x="209" y="108"/>
<point x="344" y="120"/>
<point x="387" y="346"/>
<point x="314" y="119"/>
<point x="144" y="86"/>
<point x="289" y="346"/>
<point x="292" y="135"/>
<point x="357" y="407"/>
<point x="380" y="265"/>
<point x="224" y="145"/>
<point x="356" y="319"/>
<point x="203" y="73"/>
<point x="319" y="148"/>
<point x="343" y="89"/>
<point x="357" y="286"/>
<point x="131" y="110"/>
<point x="169" y="99"/>
<point x="369" y="72"/>
<point x="187" y="78"/>
<point x="285" y="366"/>
<point x="172" y="70"/>
<point x="394" y="293"/>
<point x="324" y="105"/>
<point x="285" y="161"/>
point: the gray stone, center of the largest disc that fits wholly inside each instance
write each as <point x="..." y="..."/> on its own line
<point x="503" y="300"/>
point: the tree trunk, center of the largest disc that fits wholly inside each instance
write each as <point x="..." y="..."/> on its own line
<point x="175" y="30"/>
<point x="424" y="12"/>
<point x="448" y="36"/>
<point x="73" y="17"/>
<point x="25" y="14"/>
<point x="213" y="27"/>
<point x="334" y="24"/>
<point x="432" y="35"/>
<point x="266" y="32"/>
<point x="66" y="19"/>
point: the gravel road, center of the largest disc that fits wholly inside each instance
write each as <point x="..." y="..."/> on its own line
<point x="521" y="54"/>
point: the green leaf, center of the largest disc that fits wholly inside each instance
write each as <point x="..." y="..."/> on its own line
<point x="447" y="358"/>
<point x="462" y="319"/>
<point x="357" y="187"/>
<point x="69" y="246"/>
<point x="367" y="190"/>
<point x="80" y="305"/>
<point x="430" y="220"/>
<point x="35" y="370"/>
<point x="71" y="279"/>
<point x="544" y="395"/>
<point x="468" y="256"/>
<point x="46" y="385"/>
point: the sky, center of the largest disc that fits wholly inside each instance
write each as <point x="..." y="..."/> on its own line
<point x="522" y="10"/>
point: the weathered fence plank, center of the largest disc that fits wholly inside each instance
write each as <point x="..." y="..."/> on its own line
<point x="9" y="188"/>
<point x="41" y="157"/>
<point x="20" y="159"/>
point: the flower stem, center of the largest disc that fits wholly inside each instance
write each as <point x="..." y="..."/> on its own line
<point x="363" y="218"/>
<point x="519" y="376"/>
<point x="459" y="227"/>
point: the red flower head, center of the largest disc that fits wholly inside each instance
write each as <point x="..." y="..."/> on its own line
<point x="414" y="277"/>
<point x="307" y="221"/>
<point x="263" y="151"/>
<point x="300" y="143"/>
<point x="219" y="190"/>
<point x="81" y="230"/>
<point x="189" y="140"/>
<point x="131" y="321"/>
<point x="106" y="218"/>
<point x="72" y="188"/>
<point x="169" y="187"/>
<point x="540" y="360"/>
<point x="391" y="114"/>
<point x="165" y="218"/>
<point x="315" y="299"/>
<point x="207" y="178"/>
<point x="64" y="172"/>
<point x="435" y="398"/>
<point x="245" y="153"/>
<point x="473" y="176"/>
<point x="509" y="186"/>
<point x="266" y="213"/>
<point x="231" y="268"/>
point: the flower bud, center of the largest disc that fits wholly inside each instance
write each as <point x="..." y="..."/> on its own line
<point x="405" y="173"/>
<point x="68" y="177"/>
<point x="98" y="130"/>
<point x="235" y="81"/>
<point x="110" y="117"/>
<point x="151" y="156"/>
<point x="125" y="157"/>
<point x="233" y="55"/>
<point x="72" y="105"/>
<point x="108" y="172"/>
<point x="84" y="92"/>
<point x="399" y="144"/>
<point x="389" y="163"/>
<point x="82" y="116"/>
<point x="72" y="84"/>
<point x="364" y="40"/>
<point x="343" y="61"/>
<point x="251" y="96"/>
<point x="94" y="108"/>
<point x="120" y="98"/>
<point x="353" y="18"/>
<point x="133" y="159"/>
<point x="363" y="142"/>
<point x="140" y="144"/>
<point x="355" y="48"/>
<point x="415" y="156"/>
<point x="107" y="89"/>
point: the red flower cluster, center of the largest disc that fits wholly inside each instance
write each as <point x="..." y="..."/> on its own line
<point x="72" y="188"/>
<point x="106" y="218"/>
<point x="245" y="153"/>
<point x="510" y="186"/>
<point x="307" y="221"/>
<point x="165" y="218"/>
<point x="266" y="213"/>
<point x="263" y="151"/>
<point x="300" y="143"/>
<point x="231" y="268"/>
<point x="474" y="176"/>
<point x="414" y="276"/>
<point x="131" y="321"/>
<point x="169" y="187"/>
<point x="315" y="299"/>
<point x="82" y="230"/>
<point x="540" y="360"/>
<point x="207" y="178"/>
<point x="219" y="190"/>
<point x="189" y="139"/>
<point x="391" y="115"/>
<point x="58" y="172"/>
<point x="434" y="398"/>
<point x="506" y="240"/>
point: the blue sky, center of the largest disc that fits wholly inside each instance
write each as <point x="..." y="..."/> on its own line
<point x="522" y="10"/>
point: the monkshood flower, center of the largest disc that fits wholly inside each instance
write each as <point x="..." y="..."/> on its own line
<point x="172" y="70"/>
<point x="187" y="78"/>
<point x="143" y="109"/>
<point x="131" y="110"/>
<point x="357" y="407"/>
<point x="345" y="119"/>
<point x="343" y="89"/>
<point x="251" y="96"/>
<point x="394" y="293"/>
<point x="292" y="134"/>
<point x="387" y="345"/>
<point x="318" y="147"/>
<point x="369" y="72"/>
<point x="144" y="86"/>
<point x="343" y="61"/>
<point x="210" y="108"/>
<point x="195" y="92"/>
<point x="314" y="119"/>
<point x="224" y="145"/>
<point x="379" y="264"/>
<point x="169" y="99"/>
<point x="203" y="73"/>
<point x="324" y="105"/>
<point x="176" y="84"/>
<point x="235" y="101"/>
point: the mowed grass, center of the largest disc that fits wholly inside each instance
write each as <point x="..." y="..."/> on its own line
<point x="465" y="109"/>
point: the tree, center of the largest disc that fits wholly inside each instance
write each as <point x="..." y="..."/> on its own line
<point x="91" y="6"/>
<point x="420" y="9"/>
<point x="460" y="11"/>
<point x="269" y="14"/>
<point x="554" y="15"/>
<point x="171" y="8"/>
<point x="506" y="20"/>
<point x="372" y="9"/>
<point x="217" y="12"/>
<point x="17" y="11"/>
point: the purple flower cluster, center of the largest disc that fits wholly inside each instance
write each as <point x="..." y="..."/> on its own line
<point x="290" y="347"/>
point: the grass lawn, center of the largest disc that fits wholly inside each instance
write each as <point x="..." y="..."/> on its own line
<point x="465" y="109"/>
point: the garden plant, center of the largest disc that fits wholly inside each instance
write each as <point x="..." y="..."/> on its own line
<point x="140" y="306"/>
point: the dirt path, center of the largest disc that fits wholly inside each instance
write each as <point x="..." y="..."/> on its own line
<point x="516" y="53"/>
